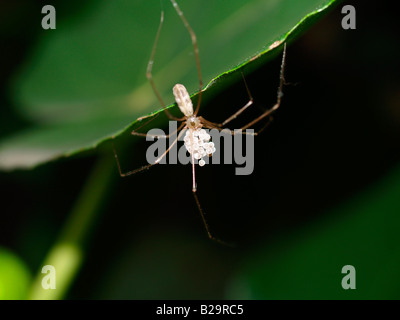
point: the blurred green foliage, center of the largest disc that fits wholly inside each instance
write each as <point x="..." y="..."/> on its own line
<point x="307" y="264"/>
<point x="14" y="276"/>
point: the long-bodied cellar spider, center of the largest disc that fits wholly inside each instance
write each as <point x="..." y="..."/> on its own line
<point x="196" y="139"/>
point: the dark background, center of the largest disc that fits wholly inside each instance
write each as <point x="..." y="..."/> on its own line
<point x="336" y="134"/>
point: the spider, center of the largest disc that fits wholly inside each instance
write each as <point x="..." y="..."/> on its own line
<point x="193" y="124"/>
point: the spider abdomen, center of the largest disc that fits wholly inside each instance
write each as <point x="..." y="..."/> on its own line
<point x="183" y="100"/>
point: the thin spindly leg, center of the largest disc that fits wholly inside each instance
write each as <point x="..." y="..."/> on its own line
<point x="196" y="198"/>
<point x="196" y="51"/>
<point x="237" y="113"/>
<point x="150" y="68"/>
<point x="248" y="104"/>
<point x="210" y="125"/>
<point x="240" y="131"/>
<point x="264" y="115"/>
<point x="146" y="166"/>
<point x="144" y="124"/>
<point x="280" y="94"/>
<point x="265" y="126"/>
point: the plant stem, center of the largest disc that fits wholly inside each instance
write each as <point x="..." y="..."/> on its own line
<point x="67" y="253"/>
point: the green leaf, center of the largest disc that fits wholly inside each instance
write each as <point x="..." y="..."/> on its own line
<point x="89" y="73"/>
<point x="14" y="277"/>
<point x="308" y="263"/>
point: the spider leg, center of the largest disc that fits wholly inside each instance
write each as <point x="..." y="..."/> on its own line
<point x="280" y="94"/>
<point x="202" y="214"/>
<point x="237" y="113"/>
<point x="218" y="126"/>
<point x="149" y="70"/>
<point x="210" y="125"/>
<point x="122" y="174"/>
<point x="196" y="51"/>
